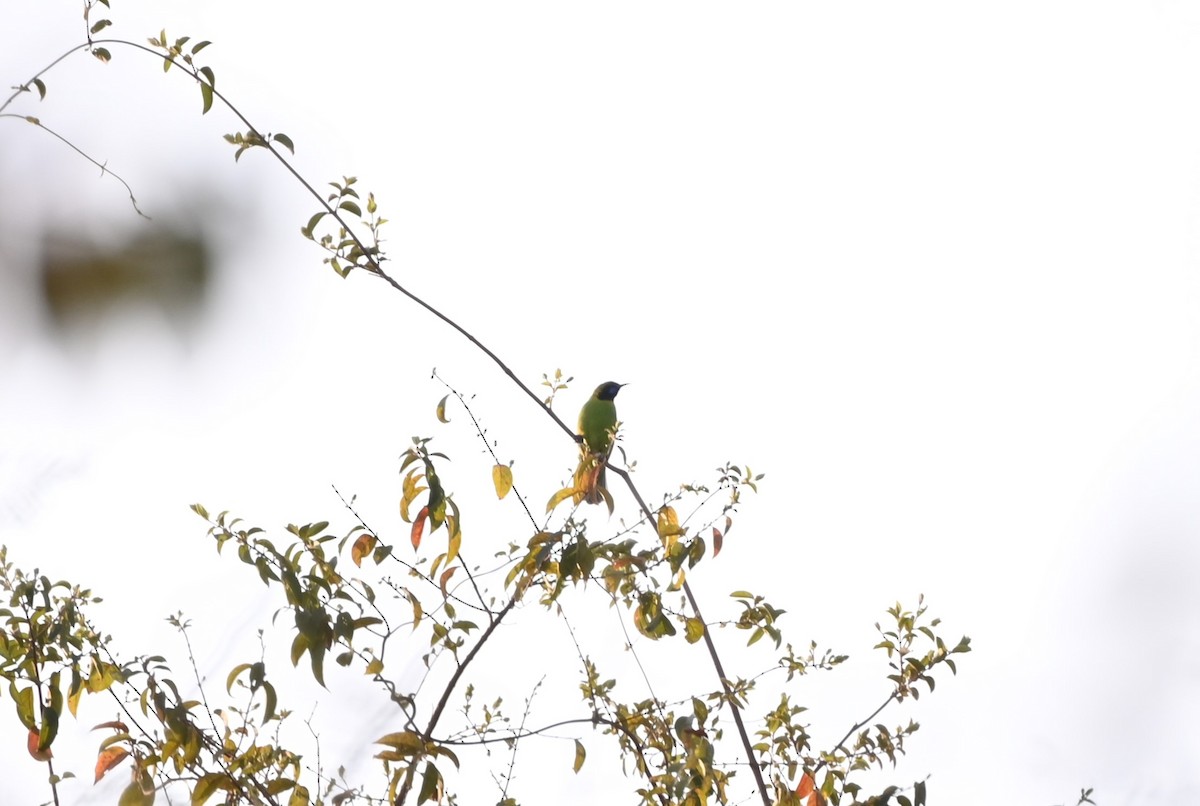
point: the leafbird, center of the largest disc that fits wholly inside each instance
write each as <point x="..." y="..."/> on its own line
<point x="597" y="426"/>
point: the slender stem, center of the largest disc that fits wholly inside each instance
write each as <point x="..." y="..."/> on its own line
<point x="841" y="745"/>
<point x="103" y="168"/>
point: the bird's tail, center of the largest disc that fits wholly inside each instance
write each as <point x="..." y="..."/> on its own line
<point x="589" y="478"/>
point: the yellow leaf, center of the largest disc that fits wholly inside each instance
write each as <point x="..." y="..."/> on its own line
<point x="363" y="546"/>
<point x="441" y="409"/>
<point x="580" y="755"/>
<point x="668" y="526"/>
<point x="559" y="497"/>
<point x="503" y="479"/>
<point x="208" y="785"/>
<point x="455" y="540"/>
<point x="405" y="742"/>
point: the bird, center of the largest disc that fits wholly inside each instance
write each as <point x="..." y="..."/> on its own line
<point x="597" y="427"/>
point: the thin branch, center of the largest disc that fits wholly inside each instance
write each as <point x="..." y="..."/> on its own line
<point x="512" y="759"/>
<point x="196" y="673"/>
<point x="25" y="87"/>
<point x="857" y="727"/>
<point x="103" y="168"/>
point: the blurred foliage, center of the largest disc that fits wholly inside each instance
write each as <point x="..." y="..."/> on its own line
<point x="166" y="268"/>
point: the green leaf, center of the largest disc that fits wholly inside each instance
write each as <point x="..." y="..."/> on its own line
<point x="24" y="701"/>
<point x="285" y="141"/>
<point x="316" y="655"/>
<point x="272" y="701"/>
<point x="100" y="26"/>
<point x="430" y="784"/>
<point x="307" y="230"/>
<point x="134" y="796"/>
<point x="49" y="728"/>
<point x="199" y="46"/>
<point x="41" y="88"/>
<point x="103" y="55"/>
<point x="700" y="709"/>
<point x="350" y="207"/>
<point x="299" y="646"/>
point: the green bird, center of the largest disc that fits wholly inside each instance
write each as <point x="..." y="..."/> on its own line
<point x="597" y="426"/>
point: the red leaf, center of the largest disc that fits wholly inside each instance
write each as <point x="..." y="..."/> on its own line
<point x="806" y="786"/>
<point x="718" y="541"/>
<point x="32" y="744"/>
<point x="418" y="527"/>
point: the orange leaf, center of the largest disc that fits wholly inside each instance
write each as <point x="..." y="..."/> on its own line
<point x="363" y="546"/>
<point x="108" y="759"/>
<point x="449" y="572"/>
<point x="121" y="726"/>
<point x="418" y="527"/>
<point x="32" y="744"/>
<point x="718" y="541"/>
<point x="806" y="786"/>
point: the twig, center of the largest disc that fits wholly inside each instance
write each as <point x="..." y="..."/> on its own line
<point x="859" y="726"/>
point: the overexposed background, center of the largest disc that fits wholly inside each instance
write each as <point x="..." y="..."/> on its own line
<point x="932" y="268"/>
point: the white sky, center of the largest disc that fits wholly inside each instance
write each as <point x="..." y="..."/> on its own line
<point x="931" y="267"/>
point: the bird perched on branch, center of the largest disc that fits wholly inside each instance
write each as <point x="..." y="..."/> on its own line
<point x="597" y="426"/>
